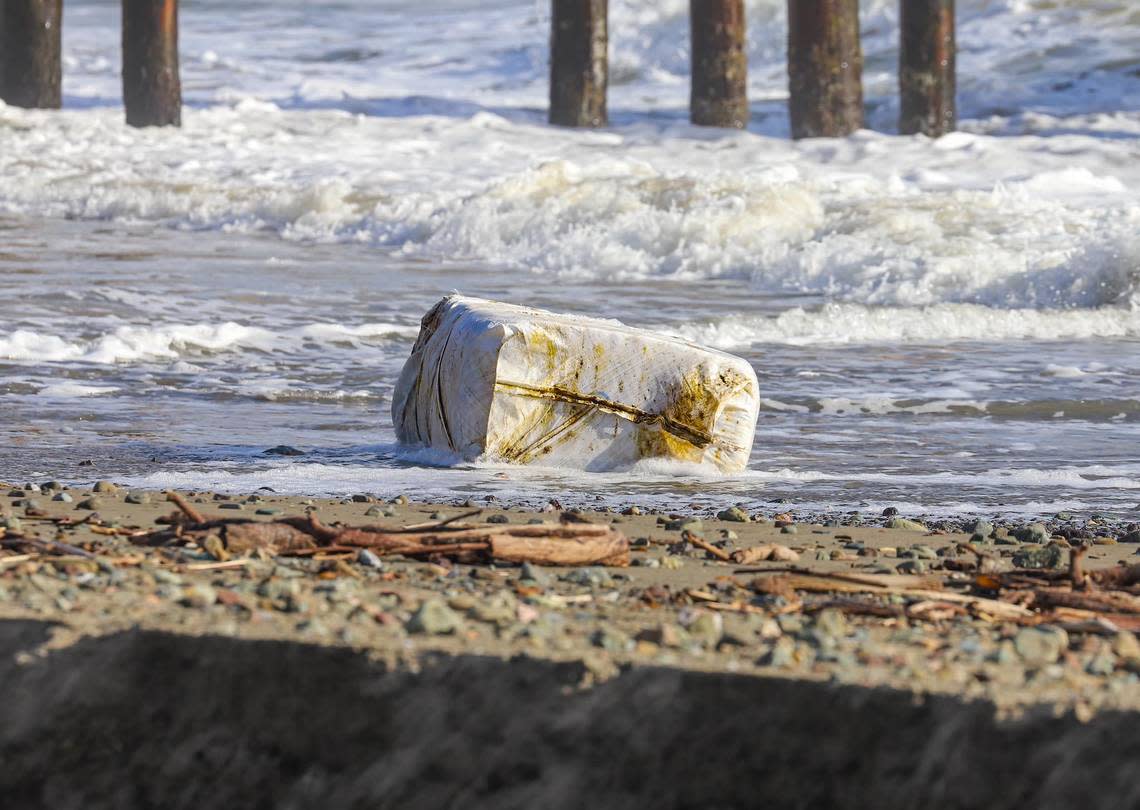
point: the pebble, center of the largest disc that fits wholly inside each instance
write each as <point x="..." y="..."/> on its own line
<point x="611" y="639"/>
<point x="105" y="487"/>
<point x="1103" y="663"/>
<point x="693" y="524"/>
<point x="265" y="510"/>
<point x="199" y="595"/>
<point x="374" y="511"/>
<point x="138" y="498"/>
<point x="62" y="497"/>
<point x="1040" y="646"/>
<point x="1006" y="654"/>
<point x="600" y="666"/>
<point x="362" y="498"/>
<point x="434" y="618"/>
<point x="1033" y="533"/>
<point x="706" y="629"/>
<point x="500" y="519"/>
<point x="501" y="609"/>
<point x="981" y="529"/>
<point x="462" y="602"/>
<point x="733" y="514"/>
<point x="90" y="504"/>
<point x="592" y="577"/>
<point x="831" y="622"/>
<point x="1126" y="646"/>
<point x="665" y="634"/>
<point x="912" y="567"/>
<point x="789" y="530"/>
<point x="904" y="523"/>
<point x="231" y="506"/>
<point x="924" y="552"/>
<point x="368" y="559"/>
<point x="1047" y="557"/>
<point x="631" y="510"/>
<point x="12" y="524"/>
<point x="782" y="654"/>
<point x="532" y="573"/>
<point x="1131" y="537"/>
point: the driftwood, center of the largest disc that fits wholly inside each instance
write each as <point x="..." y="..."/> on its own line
<point x="914" y="587"/>
<point x="610" y="548"/>
<point x="1099" y="601"/>
<point x="706" y="546"/>
<point x="773" y="552"/>
<point x="1126" y="576"/>
<point x="566" y="544"/>
<point x="46" y="546"/>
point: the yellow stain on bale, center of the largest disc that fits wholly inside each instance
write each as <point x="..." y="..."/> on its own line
<point x="683" y="430"/>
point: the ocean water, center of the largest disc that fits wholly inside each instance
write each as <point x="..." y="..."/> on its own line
<point x="949" y="326"/>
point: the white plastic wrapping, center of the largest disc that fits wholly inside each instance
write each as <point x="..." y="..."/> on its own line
<point x="525" y="385"/>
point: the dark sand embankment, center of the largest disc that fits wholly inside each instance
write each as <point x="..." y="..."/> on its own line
<point x="154" y="719"/>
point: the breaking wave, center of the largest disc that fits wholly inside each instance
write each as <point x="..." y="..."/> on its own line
<point x="173" y="341"/>
<point x="854" y="323"/>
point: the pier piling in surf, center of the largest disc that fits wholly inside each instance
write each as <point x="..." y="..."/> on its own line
<point x="579" y="42"/>
<point x="30" y="66"/>
<point x="825" y="68"/>
<point x="719" y="95"/>
<point x="927" y="82"/>
<point x="152" y="91"/>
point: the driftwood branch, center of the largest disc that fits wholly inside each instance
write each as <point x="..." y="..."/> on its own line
<point x="705" y="545"/>
<point x="565" y="544"/>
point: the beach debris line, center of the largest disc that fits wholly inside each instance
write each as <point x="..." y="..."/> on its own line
<point x="1105" y="600"/>
<point x="965" y="621"/>
<point x="566" y="544"/>
<point x="528" y="386"/>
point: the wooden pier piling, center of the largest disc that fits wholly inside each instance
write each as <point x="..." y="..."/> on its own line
<point x="152" y="91"/>
<point x="719" y="96"/>
<point x="30" y="69"/>
<point x="825" y="68"/>
<point x="579" y="42"/>
<point x="927" y="82"/>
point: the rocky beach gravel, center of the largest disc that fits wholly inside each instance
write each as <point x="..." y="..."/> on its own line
<point x="685" y="602"/>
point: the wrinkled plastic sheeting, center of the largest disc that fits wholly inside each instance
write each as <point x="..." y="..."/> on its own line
<point x="524" y="385"/>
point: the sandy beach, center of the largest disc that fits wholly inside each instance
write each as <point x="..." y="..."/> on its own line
<point x="676" y="604"/>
